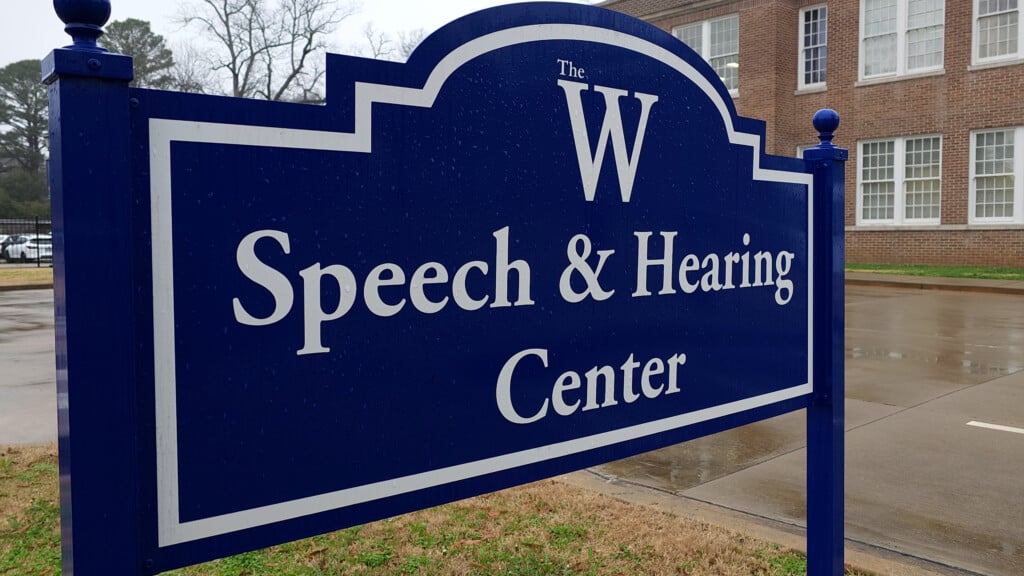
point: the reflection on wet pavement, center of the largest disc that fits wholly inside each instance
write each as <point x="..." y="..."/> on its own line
<point x="677" y="468"/>
<point x="903" y="347"/>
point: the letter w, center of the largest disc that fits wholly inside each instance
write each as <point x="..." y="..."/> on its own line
<point x="625" y="162"/>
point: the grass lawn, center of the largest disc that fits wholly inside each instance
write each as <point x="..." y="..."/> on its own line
<point x="544" y="528"/>
<point x="18" y="275"/>
<point x="941" y="271"/>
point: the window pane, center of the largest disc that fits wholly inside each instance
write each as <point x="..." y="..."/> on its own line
<point x="728" y="69"/>
<point x="993" y="153"/>
<point x="880" y="55"/>
<point x="725" y="37"/>
<point x="994" y="178"/>
<point x="997" y="35"/>
<point x="987" y="7"/>
<point x="691" y="36"/>
<point x="724" y="48"/>
<point x="925" y="31"/>
<point x="994" y="197"/>
<point x="879" y="17"/>
<point x="814" y="42"/>
<point x="922" y="178"/>
<point x="718" y="41"/>
<point x="878" y="186"/>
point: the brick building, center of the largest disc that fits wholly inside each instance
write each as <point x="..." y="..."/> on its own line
<point x="931" y="98"/>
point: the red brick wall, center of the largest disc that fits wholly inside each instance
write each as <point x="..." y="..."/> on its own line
<point x="937" y="247"/>
<point x="952" y="104"/>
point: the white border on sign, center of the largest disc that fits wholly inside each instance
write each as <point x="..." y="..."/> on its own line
<point x="162" y="132"/>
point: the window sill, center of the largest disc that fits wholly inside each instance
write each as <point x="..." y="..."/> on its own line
<point x="885" y="227"/>
<point x="934" y="227"/>
<point x="976" y="66"/>
<point x="995" y="226"/>
<point x="815" y="89"/>
<point x="898" y="78"/>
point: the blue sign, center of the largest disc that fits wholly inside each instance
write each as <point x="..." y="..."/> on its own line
<point x="544" y="242"/>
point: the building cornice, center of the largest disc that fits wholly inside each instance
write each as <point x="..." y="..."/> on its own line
<point x="669" y="12"/>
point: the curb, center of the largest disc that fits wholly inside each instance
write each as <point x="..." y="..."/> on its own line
<point x="37" y="286"/>
<point x="859" y="556"/>
<point x="931" y="283"/>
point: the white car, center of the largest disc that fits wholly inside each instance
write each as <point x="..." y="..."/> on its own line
<point x="34" y="247"/>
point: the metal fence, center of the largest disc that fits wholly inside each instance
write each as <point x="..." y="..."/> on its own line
<point x="24" y="227"/>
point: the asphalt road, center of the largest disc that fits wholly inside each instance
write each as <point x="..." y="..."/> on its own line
<point x="921" y="366"/>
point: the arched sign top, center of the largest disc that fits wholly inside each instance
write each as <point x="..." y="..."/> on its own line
<point x="441" y="54"/>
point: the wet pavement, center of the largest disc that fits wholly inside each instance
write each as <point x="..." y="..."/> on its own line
<point x="920" y="365"/>
<point x="28" y="390"/>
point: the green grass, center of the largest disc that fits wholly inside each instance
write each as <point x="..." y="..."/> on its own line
<point x="784" y="562"/>
<point x="990" y="273"/>
<point x="543" y="529"/>
<point x="10" y="276"/>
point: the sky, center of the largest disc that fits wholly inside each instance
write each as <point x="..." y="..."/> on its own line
<point x="32" y="28"/>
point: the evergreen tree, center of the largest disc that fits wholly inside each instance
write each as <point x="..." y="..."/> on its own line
<point x="153" y="61"/>
<point x="23" y="129"/>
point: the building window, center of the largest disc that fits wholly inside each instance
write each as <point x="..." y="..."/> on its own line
<point x="813" y="46"/>
<point x="718" y="42"/>
<point x="997" y="32"/>
<point x="901" y="37"/>
<point x="900" y="181"/>
<point x="995" y="190"/>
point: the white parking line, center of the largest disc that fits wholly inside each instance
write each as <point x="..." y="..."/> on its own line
<point x="996" y="427"/>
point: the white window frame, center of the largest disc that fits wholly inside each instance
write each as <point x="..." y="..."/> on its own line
<point x="802" y="84"/>
<point x="899" y="183"/>
<point x="705" y="37"/>
<point x="1012" y="57"/>
<point x="902" y="11"/>
<point x="1018" y="178"/>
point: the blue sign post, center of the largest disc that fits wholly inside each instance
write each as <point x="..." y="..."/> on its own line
<point x="544" y="242"/>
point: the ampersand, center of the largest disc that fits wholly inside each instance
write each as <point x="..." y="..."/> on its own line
<point x="578" y="250"/>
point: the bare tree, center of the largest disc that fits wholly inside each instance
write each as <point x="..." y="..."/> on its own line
<point x="265" y="48"/>
<point x="409" y="40"/>
<point x="381" y="46"/>
<point x="192" y="72"/>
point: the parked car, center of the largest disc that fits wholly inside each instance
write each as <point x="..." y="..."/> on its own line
<point x="29" y="248"/>
<point x="6" y="241"/>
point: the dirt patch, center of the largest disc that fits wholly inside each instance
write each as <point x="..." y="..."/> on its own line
<point x="27" y="474"/>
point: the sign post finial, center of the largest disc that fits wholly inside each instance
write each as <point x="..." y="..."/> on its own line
<point x="825" y="122"/>
<point x="84" y="20"/>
